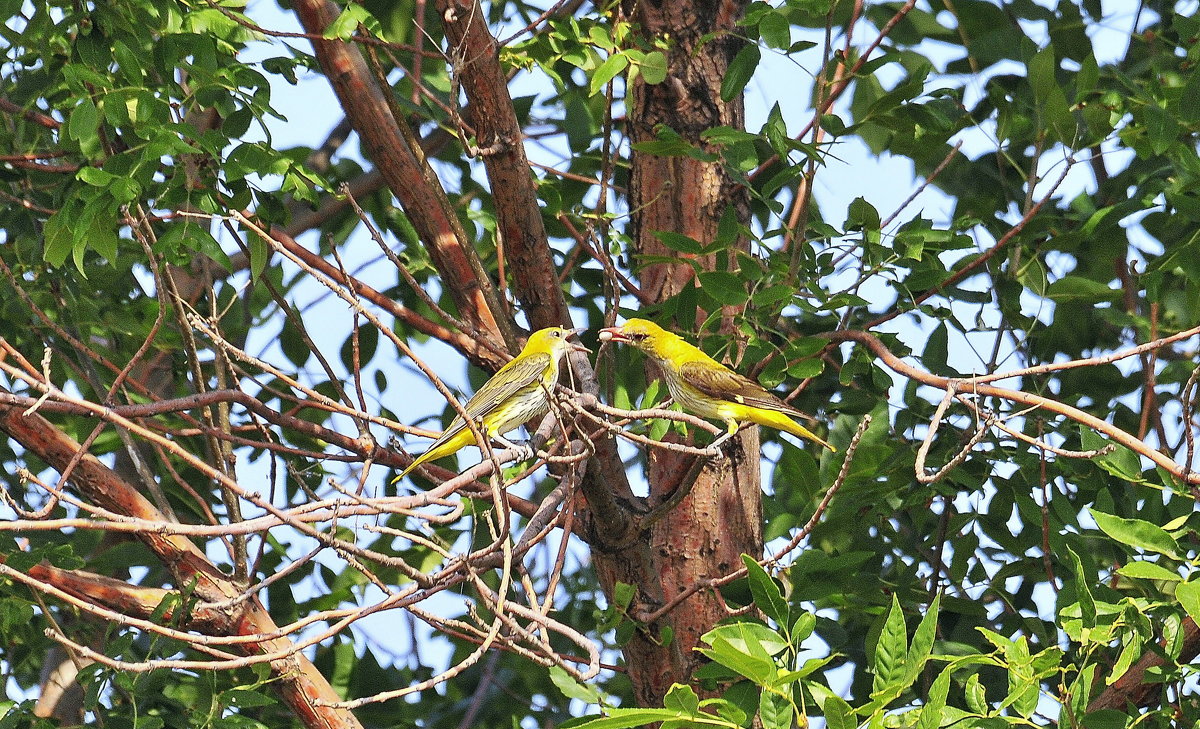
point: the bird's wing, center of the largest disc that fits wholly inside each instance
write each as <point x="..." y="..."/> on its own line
<point x="724" y="384"/>
<point x="513" y="377"/>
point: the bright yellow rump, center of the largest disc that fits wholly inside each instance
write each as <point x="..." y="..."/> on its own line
<point x="774" y="419"/>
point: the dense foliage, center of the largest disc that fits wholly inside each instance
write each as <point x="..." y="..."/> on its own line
<point x="244" y="247"/>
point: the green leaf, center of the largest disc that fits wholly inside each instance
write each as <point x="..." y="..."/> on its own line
<point x="1188" y="595"/>
<point x="246" y="699"/>
<point x="1136" y="533"/>
<point x="838" y="714"/>
<point x="740" y="71"/>
<point x="745" y="648"/>
<point x="749" y="637"/>
<point x="861" y="215"/>
<point x="775" y="30"/>
<point x="1053" y="110"/>
<point x="890" y="651"/>
<point x="294" y="345"/>
<point x="1120" y="462"/>
<point x="670" y="144"/>
<point x="806" y="669"/>
<point x="83" y="125"/>
<point x="679" y="242"/>
<point x="724" y="287"/>
<point x="975" y="695"/>
<point x="935" y="704"/>
<point x="1078" y="288"/>
<point x="368" y="342"/>
<point x="654" y="67"/>
<point x="768" y="597"/>
<point x="802" y="627"/>
<point x="598" y="35"/>
<point x="1189" y="100"/>
<point x="937" y="351"/>
<point x="1161" y="128"/>
<point x="1081" y="689"/>
<point x="101" y="237"/>
<point x="260" y="253"/>
<point x="682" y="699"/>
<point x="95" y="176"/>
<point x="1023" y="686"/>
<point x="190" y="235"/>
<point x="1087" y="604"/>
<point x="59" y="237"/>
<point x="607" y="71"/>
<point x="1130" y="652"/>
<point x="775" y="711"/>
<point x="346" y="24"/>
<point x="572" y="689"/>
<point x="344" y="661"/>
<point x="1143" y="570"/>
<point x="628" y="718"/>
<point x="623" y="594"/>
<point x="922" y="642"/>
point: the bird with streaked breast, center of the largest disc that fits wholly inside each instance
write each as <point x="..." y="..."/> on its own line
<point x="517" y="393"/>
<point x="705" y="387"/>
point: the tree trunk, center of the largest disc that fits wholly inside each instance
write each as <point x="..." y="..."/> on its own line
<point x="720" y="519"/>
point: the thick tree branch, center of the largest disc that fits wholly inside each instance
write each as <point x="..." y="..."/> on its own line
<point x="1136" y="687"/>
<point x="476" y="64"/>
<point x="299" y="683"/>
<point x="407" y="173"/>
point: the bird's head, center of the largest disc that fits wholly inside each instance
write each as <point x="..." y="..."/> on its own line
<point x="554" y="341"/>
<point x="645" y="335"/>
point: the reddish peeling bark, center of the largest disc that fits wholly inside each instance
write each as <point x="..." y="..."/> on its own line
<point x="706" y="534"/>
<point x="499" y="136"/>
<point x="407" y="173"/>
<point x="1139" y="687"/>
<point x="680" y="194"/>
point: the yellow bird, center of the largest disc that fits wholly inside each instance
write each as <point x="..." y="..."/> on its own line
<point x="704" y="386"/>
<point x="516" y="394"/>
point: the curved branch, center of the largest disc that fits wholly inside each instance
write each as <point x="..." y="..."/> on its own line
<point x="300" y="684"/>
<point x="974" y="386"/>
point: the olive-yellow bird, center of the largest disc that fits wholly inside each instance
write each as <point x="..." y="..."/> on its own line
<point x="705" y="387"/>
<point x="516" y="394"/>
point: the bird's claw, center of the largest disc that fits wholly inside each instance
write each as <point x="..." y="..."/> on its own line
<point x="716" y="445"/>
<point x="525" y="450"/>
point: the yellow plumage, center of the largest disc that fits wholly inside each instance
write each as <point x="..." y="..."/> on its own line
<point x="516" y="394"/>
<point x="705" y="387"/>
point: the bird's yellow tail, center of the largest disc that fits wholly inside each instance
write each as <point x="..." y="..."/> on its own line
<point x="779" y="421"/>
<point x="439" y="450"/>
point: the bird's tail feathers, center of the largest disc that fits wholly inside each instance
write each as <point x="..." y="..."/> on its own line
<point x="782" y="422"/>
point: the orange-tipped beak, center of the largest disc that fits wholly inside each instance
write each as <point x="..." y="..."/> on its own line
<point x="613" y="334"/>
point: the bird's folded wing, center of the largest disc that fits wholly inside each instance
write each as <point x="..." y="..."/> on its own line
<point x="724" y="384"/>
<point x="508" y="381"/>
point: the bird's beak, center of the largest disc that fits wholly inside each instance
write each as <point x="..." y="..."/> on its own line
<point x="575" y="346"/>
<point x="613" y="334"/>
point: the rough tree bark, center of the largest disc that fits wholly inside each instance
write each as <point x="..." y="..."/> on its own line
<point x="720" y="519"/>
